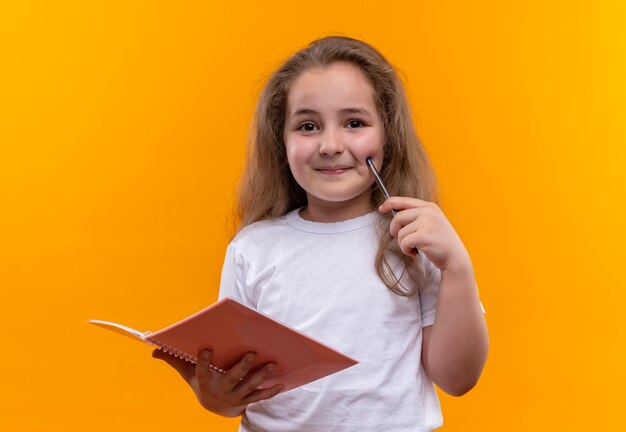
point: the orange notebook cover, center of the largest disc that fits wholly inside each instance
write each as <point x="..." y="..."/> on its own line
<point x="231" y="329"/>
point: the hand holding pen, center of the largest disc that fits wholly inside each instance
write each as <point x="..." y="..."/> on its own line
<point x="421" y="226"/>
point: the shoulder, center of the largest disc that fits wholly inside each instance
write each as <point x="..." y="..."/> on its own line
<point x="260" y="233"/>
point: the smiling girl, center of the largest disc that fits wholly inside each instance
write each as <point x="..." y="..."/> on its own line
<point x="318" y="249"/>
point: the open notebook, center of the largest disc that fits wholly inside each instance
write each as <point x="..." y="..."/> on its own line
<point x="231" y="330"/>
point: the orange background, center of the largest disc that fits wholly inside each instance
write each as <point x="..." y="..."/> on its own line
<point x="122" y="130"/>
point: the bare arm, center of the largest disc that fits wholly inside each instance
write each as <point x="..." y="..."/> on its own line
<point x="454" y="348"/>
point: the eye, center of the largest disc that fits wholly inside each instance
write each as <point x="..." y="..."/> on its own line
<point x="353" y="124"/>
<point x="307" y="127"/>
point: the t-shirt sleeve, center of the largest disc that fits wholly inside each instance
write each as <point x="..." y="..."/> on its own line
<point x="428" y="295"/>
<point x="232" y="282"/>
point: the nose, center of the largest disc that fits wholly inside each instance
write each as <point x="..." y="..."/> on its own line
<point x="331" y="143"/>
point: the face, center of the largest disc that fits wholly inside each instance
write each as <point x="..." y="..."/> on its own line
<point x="331" y="127"/>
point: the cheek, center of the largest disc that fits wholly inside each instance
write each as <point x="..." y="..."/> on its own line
<point x="296" y="156"/>
<point x="368" y="146"/>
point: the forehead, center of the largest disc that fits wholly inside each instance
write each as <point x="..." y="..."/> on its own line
<point x="335" y="87"/>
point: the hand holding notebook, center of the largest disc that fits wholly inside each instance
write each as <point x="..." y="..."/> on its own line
<point x="225" y="394"/>
<point x="230" y="330"/>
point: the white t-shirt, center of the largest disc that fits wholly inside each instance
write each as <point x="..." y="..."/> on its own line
<point x="320" y="279"/>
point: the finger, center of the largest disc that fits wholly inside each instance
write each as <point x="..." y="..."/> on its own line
<point x="402" y="219"/>
<point x="402" y="203"/>
<point x="259" y="395"/>
<point x="183" y="367"/>
<point x="407" y="230"/>
<point x="203" y="369"/>
<point x="254" y="380"/>
<point x="232" y="376"/>
<point x="411" y="243"/>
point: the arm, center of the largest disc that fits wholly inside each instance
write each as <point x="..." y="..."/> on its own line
<point x="230" y="393"/>
<point x="454" y="348"/>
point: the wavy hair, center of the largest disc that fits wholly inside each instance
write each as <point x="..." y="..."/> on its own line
<point x="267" y="188"/>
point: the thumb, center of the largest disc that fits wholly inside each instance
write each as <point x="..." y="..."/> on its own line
<point x="183" y="367"/>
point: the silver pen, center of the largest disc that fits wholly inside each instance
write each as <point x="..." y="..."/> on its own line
<point x="379" y="181"/>
<point x="381" y="185"/>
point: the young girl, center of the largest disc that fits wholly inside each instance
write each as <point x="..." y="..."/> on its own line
<point x="319" y="250"/>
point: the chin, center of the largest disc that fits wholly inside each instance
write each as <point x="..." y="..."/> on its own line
<point x="339" y="198"/>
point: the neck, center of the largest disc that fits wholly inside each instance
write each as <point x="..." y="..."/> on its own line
<point x="335" y="212"/>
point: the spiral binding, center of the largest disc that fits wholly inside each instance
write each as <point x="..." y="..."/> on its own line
<point x="179" y="354"/>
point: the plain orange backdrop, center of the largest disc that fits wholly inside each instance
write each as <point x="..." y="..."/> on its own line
<point x="122" y="135"/>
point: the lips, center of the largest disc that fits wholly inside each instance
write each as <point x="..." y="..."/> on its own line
<point x="333" y="170"/>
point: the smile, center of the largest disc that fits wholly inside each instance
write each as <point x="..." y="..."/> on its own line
<point x="333" y="171"/>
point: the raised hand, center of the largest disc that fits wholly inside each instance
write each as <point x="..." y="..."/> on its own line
<point x="422" y="225"/>
<point x="225" y="394"/>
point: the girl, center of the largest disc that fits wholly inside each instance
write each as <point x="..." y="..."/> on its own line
<point x="317" y="250"/>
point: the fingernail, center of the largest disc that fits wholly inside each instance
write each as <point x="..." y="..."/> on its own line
<point x="271" y="367"/>
<point x="250" y="358"/>
<point x="205" y="354"/>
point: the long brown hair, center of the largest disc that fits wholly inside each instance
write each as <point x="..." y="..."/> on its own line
<point x="268" y="189"/>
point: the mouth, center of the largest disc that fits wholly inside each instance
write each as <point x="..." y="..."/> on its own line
<point x="333" y="170"/>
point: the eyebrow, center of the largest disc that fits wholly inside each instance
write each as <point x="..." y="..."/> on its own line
<point x="355" y="110"/>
